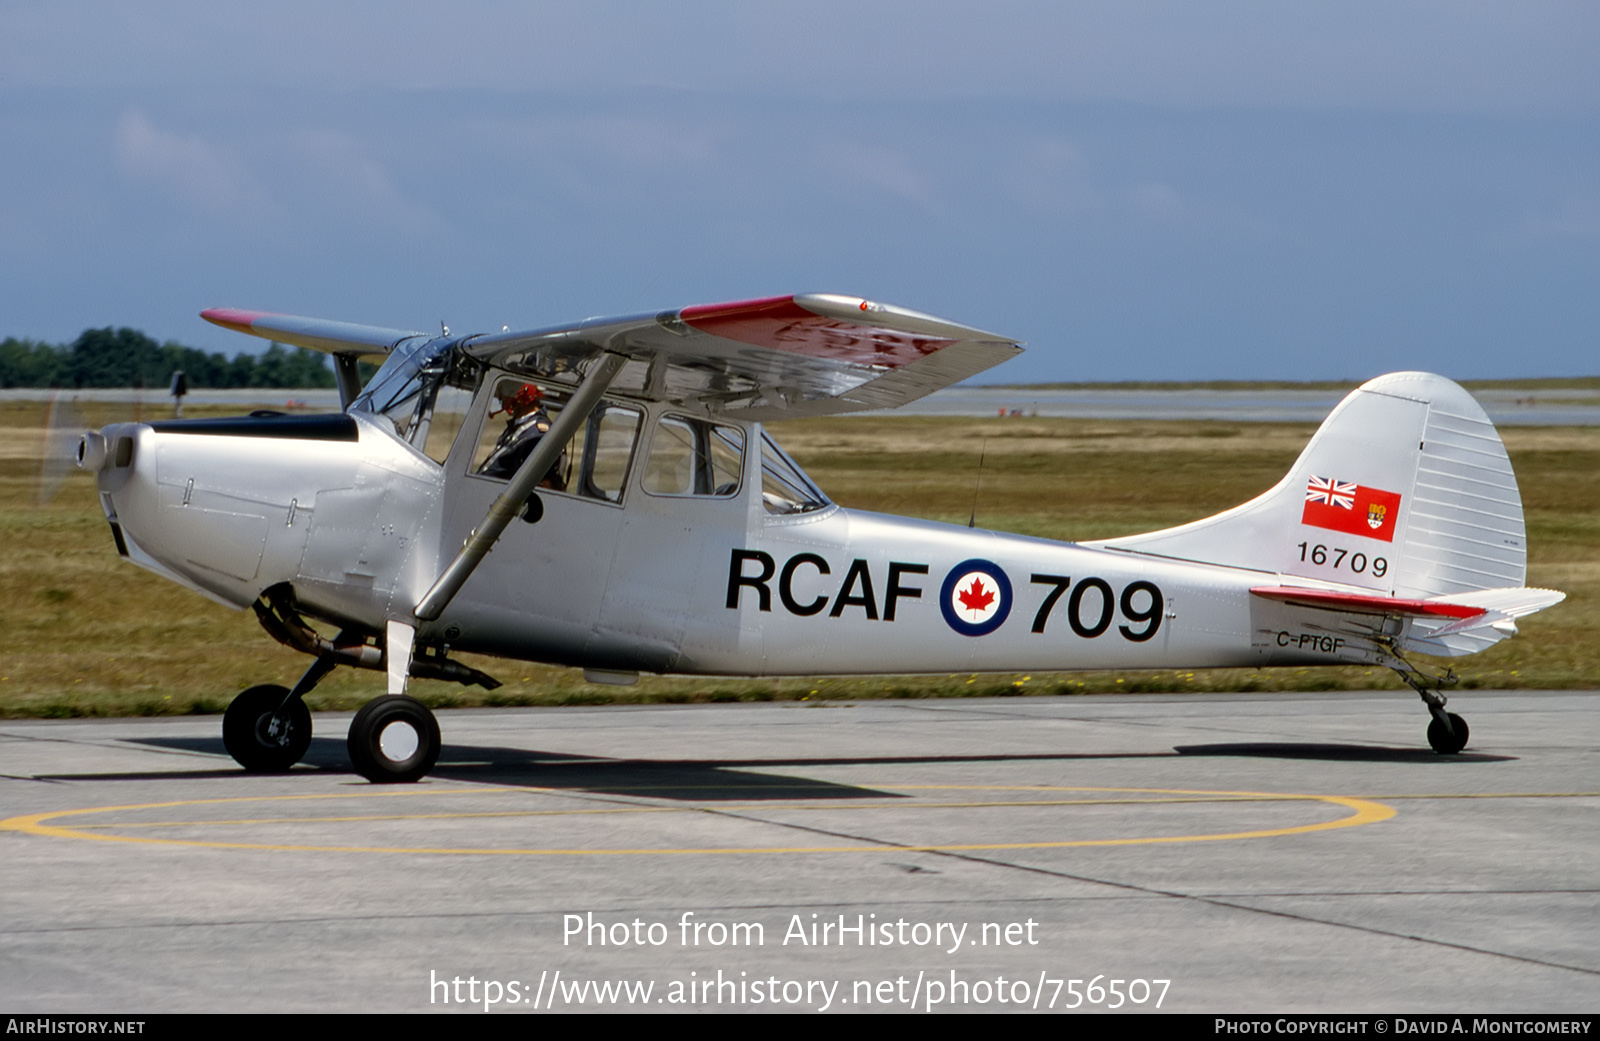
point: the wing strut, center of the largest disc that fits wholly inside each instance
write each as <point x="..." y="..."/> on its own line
<point x="522" y="484"/>
<point x="347" y="370"/>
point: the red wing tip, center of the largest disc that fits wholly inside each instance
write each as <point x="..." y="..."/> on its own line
<point x="233" y="317"/>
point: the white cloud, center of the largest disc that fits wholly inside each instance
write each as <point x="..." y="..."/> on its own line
<point x="201" y="174"/>
<point x="306" y="184"/>
<point x="334" y="174"/>
<point x="884" y="169"/>
<point x="1050" y="177"/>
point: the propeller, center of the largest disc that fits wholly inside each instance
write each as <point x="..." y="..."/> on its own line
<point x="64" y="426"/>
<point x="67" y="417"/>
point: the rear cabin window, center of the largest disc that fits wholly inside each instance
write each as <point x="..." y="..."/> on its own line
<point x="694" y="457"/>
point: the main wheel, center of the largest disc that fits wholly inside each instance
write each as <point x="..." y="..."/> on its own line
<point x="249" y="736"/>
<point x="1448" y="742"/>
<point x="394" y="740"/>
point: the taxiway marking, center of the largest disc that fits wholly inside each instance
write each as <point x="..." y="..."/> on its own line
<point x="1362" y="811"/>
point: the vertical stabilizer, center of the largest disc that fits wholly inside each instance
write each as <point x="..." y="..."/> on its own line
<point x="1405" y="490"/>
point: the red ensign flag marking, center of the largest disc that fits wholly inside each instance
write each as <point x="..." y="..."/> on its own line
<point x="1351" y="508"/>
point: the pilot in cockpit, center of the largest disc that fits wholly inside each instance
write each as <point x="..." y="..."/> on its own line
<point x="527" y="421"/>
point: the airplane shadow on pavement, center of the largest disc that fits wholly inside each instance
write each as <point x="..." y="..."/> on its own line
<point x="1349" y="753"/>
<point x="721" y="779"/>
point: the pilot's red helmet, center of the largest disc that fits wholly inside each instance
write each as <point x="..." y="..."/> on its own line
<point x="526" y="398"/>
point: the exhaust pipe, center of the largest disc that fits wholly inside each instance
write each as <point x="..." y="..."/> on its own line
<point x="92" y="454"/>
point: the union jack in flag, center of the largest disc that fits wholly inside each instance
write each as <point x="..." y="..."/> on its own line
<point x="1332" y="492"/>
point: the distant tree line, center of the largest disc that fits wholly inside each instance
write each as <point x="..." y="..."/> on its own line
<point x="128" y="358"/>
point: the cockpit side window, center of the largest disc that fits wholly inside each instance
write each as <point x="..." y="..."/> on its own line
<point x="785" y="489"/>
<point x="519" y="416"/>
<point x="593" y="465"/>
<point x="694" y="457"/>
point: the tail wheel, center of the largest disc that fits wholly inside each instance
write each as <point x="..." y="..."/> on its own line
<point x="260" y="745"/>
<point x="394" y="740"/>
<point x="1451" y="741"/>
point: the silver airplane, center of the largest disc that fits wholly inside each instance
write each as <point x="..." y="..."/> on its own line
<point x="603" y="495"/>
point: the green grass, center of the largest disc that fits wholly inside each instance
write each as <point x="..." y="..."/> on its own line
<point x="86" y="634"/>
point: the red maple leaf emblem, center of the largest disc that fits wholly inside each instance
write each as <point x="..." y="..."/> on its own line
<point x="975" y="598"/>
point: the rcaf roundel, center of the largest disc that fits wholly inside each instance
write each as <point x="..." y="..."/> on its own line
<point x="1351" y="508"/>
<point x="975" y="597"/>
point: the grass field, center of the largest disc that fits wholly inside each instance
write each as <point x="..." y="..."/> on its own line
<point x="89" y="635"/>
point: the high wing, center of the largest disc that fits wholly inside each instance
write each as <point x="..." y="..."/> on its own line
<point x="318" y="334"/>
<point x="779" y="357"/>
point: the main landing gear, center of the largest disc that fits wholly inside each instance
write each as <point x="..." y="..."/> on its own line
<point x="1447" y="732"/>
<point x="393" y="739"/>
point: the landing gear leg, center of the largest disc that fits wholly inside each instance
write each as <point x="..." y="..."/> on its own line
<point x="267" y="729"/>
<point x="1447" y="733"/>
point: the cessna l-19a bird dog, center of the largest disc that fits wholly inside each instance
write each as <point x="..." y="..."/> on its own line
<point x="603" y="495"/>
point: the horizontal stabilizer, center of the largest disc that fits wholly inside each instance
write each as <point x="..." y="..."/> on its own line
<point x="1500" y="605"/>
<point x="1360" y="603"/>
<point x="1460" y="623"/>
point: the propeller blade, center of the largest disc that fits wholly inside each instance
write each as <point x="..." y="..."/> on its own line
<point x="64" y="425"/>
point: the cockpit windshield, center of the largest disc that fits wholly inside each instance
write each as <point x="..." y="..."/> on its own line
<point x="423" y="390"/>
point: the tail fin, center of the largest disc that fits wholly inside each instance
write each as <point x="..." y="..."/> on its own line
<point x="1405" y="490"/>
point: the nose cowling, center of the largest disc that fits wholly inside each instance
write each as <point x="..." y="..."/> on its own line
<point x="190" y="527"/>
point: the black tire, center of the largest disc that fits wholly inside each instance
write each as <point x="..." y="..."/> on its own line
<point x="245" y="726"/>
<point x="1448" y="742"/>
<point x="395" y="766"/>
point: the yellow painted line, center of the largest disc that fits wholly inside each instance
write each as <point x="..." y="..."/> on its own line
<point x="797" y="807"/>
<point x="1494" y="795"/>
<point x="1363" y="811"/>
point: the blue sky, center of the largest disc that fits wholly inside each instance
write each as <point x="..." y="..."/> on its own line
<point x="1138" y="190"/>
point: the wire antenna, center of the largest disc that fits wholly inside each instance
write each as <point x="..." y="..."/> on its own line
<point x="983" y="450"/>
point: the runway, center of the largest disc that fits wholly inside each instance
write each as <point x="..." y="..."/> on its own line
<point x="1207" y="853"/>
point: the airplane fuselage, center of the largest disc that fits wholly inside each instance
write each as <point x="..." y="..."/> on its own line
<point x="357" y="525"/>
